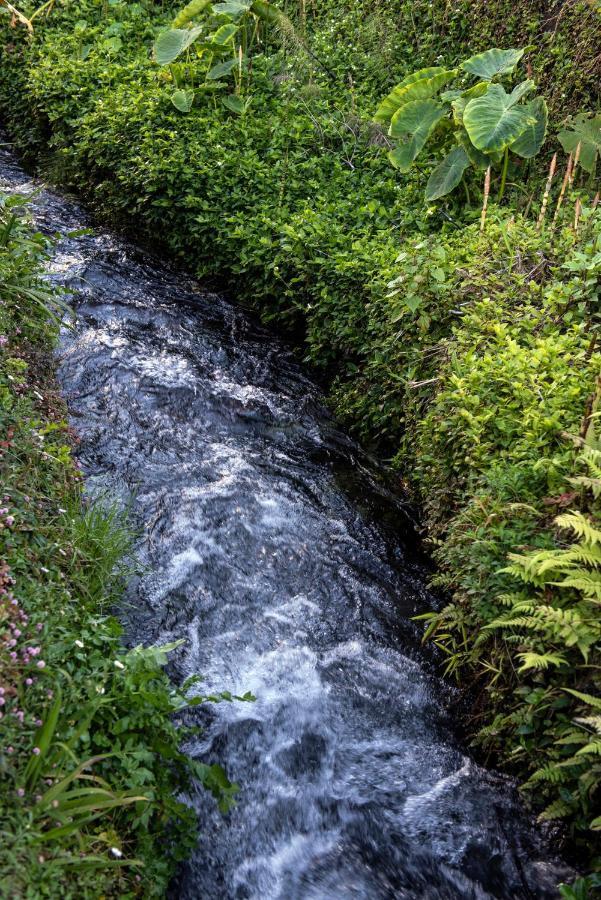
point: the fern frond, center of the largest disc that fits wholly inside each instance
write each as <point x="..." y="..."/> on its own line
<point x="586" y="698"/>
<point x="589" y="583"/>
<point x="556" y="810"/>
<point x="540" y="661"/>
<point x="549" y="773"/>
<point x="580" y="525"/>
<point x="593" y="747"/>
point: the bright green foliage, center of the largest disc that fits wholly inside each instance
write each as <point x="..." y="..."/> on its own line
<point x="90" y="767"/>
<point x="483" y="120"/>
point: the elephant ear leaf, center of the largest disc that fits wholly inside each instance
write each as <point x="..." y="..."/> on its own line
<point x="418" y="86"/>
<point x="585" y="131"/>
<point x="492" y="62"/>
<point x="493" y="122"/>
<point x="447" y="174"/>
<point x="183" y="100"/>
<point x="172" y="43"/>
<point x="415" y="120"/>
<point x="532" y="139"/>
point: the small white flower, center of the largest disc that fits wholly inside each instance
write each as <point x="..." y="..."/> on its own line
<point x="116" y="852"/>
<point x="78" y="643"/>
<point x="119" y="665"/>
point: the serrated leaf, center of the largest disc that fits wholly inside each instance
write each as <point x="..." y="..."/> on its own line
<point x="447" y="174"/>
<point x="493" y="122"/>
<point x="418" y="86"/>
<point x="492" y="62"/>
<point x="532" y="139"/>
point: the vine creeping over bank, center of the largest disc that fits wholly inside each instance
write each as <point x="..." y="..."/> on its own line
<point x="468" y="354"/>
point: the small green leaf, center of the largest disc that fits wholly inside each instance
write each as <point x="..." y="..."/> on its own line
<point x="447" y="174"/>
<point x="492" y="62"/>
<point x="183" y="100"/>
<point x="585" y="131"/>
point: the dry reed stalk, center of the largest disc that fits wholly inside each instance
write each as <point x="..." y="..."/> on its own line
<point x="543" y="208"/>
<point x="485" y="202"/>
<point x="576" y="158"/>
<point x="564" y="184"/>
<point x="577" y="211"/>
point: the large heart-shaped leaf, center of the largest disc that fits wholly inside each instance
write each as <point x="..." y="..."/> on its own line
<point x="172" y="43"/>
<point x="532" y="139"/>
<point x="233" y="8"/>
<point x="585" y="131"/>
<point x="418" y="86"/>
<point x="221" y="69"/>
<point x="492" y="62"/>
<point x="478" y="159"/>
<point x="415" y="120"/>
<point x="460" y="102"/>
<point x="447" y="174"/>
<point x="493" y="122"/>
<point x="183" y="100"/>
<point x="223" y="34"/>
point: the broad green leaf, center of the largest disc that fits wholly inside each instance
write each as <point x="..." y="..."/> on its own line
<point x="171" y="44"/>
<point x="492" y="62"/>
<point x="521" y="89"/>
<point x="234" y="104"/>
<point x="419" y="86"/>
<point x="478" y="159"/>
<point x="532" y="139"/>
<point x="221" y="69"/>
<point x="585" y="131"/>
<point x="191" y="11"/>
<point x="415" y="120"/>
<point x="183" y="100"/>
<point x="233" y="8"/>
<point x="223" y="34"/>
<point x="459" y="104"/>
<point x="493" y="122"/>
<point x="447" y="174"/>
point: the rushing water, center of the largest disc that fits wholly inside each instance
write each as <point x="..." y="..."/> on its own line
<point x="277" y="552"/>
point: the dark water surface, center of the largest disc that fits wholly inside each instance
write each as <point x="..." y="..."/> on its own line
<point x="265" y="548"/>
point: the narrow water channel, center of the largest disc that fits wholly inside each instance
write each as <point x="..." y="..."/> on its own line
<point x="273" y="547"/>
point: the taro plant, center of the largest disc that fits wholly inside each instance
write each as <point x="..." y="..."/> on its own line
<point x="583" y="131"/>
<point x="220" y="53"/>
<point x="475" y="125"/>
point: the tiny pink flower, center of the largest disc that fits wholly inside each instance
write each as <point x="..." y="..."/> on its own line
<point x="28" y="681"/>
<point x="10" y="750"/>
<point x="39" y="626"/>
<point x="20" y="792"/>
<point x="2" y="701"/>
<point x="10" y="520"/>
<point x="40" y="664"/>
<point x="36" y="751"/>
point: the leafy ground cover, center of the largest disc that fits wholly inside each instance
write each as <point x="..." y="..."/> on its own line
<point x="90" y="768"/>
<point x="468" y="355"/>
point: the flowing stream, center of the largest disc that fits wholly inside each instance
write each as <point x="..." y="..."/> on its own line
<point x="278" y="552"/>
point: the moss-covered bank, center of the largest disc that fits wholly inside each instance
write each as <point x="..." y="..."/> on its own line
<point x="480" y="389"/>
